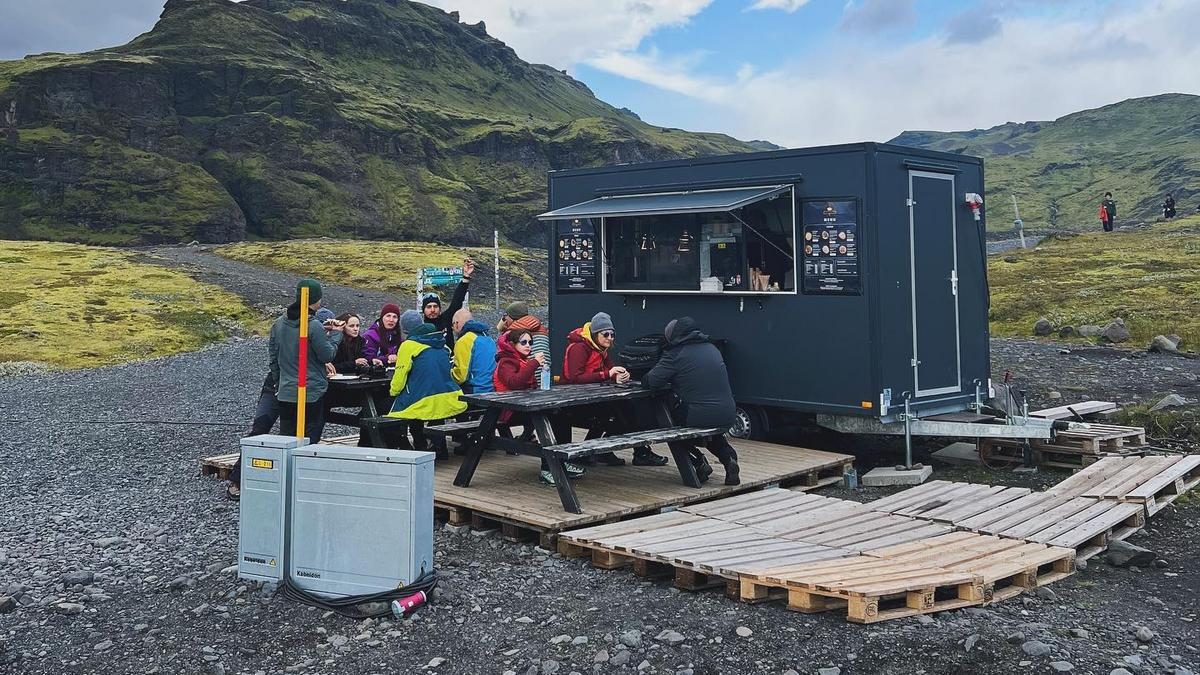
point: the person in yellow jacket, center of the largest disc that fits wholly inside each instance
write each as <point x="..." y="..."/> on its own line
<point x="474" y="354"/>
<point x="422" y="385"/>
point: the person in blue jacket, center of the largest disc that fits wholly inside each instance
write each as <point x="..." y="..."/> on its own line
<point x="424" y="389"/>
<point x="474" y="354"/>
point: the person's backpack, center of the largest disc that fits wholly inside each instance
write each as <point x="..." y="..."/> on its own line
<point x="1103" y="214"/>
<point x="641" y="354"/>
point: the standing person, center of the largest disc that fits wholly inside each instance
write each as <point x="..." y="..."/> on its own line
<point x="284" y="347"/>
<point x="431" y="305"/>
<point x="349" y="358"/>
<point x="516" y="370"/>
<point x="474" y="354"/>
<point x="587" y="361"/>
<point x="422" y="384"/>
<point x="382" y="339"/>
<point x="1109" y="208"/>
<point x="1169" y="207"/>
<point x="692" y="367"/>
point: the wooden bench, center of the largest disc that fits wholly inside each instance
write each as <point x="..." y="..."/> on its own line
<point x="455" y="428"/>
<point x="637" y="439"/>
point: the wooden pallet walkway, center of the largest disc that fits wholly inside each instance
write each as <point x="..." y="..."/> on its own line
<point x="1048" y="455"/>
<point x="947" y="501"/>
<point x="1153" y="482"/>
<point x="1080" y="523"/>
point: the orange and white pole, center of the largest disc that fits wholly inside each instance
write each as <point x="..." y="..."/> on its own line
<point x="302" y="375"/>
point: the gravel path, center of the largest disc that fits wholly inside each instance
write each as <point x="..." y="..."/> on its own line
<point x="123" y="504"/>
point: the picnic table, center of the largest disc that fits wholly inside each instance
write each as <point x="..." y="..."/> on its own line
<point x="358" y="392"/>
<point x="540" y="407"/>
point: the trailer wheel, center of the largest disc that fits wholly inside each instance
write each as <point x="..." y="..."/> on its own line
<point x="750" y="423"/>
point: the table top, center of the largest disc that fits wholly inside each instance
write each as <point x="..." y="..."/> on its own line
<point x="559" y="396"/>
<point x="361" y="382"/>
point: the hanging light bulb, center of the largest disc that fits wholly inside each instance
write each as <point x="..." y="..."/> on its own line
<point x="646" y="243"/>
<point x="685" y="242"/>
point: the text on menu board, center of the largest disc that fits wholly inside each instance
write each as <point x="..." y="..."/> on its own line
<point x="576" y="255"/>
<point x="831" y="264"/>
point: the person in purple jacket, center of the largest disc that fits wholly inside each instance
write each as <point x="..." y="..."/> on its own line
<point x="382" y="339"/>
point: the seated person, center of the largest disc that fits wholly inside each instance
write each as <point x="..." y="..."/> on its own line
<point x="587" y="361"/>
<point x="513" y="312"/>
<point x="431" y="305"/>
<point x="422" y="384"/>
<point x="382" y="339"/>
<point x="349" y="359"/>
<point x="516" y="370"/>
<point x="692" y="367"/>
<point x="474" y="354"/>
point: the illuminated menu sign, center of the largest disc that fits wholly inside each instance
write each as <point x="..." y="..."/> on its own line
<point x="830" y="248"/>
<point x="575" y="256"/>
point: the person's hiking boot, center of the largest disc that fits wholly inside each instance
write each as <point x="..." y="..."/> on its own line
<point x="609" y="459"/>
<point x="574" y="470"/>
<point x="703" y="468"/>
<point x="644" y="457"/>
<point x="547" y="477"/>
<point x="733" y="472"/>
<point x="233" y="493"/>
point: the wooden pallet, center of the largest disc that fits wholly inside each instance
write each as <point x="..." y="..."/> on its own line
<point x="1084" y="524"/>
<point x="1083" y="408"/>
<point x="1047" y="455"/>
<point x="946" y="501"/>
<point x="1153" y="482"/>
<point x="1097" y="438"/>
<point x="933" y="575"/>
<point x="219" y="466"/>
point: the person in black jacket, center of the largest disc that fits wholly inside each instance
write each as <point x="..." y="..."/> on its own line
<point x="692" y="367"/>
<point x="1110" y="208"/>
<point x="349" y="359"/>
<point x="431" y="305"/>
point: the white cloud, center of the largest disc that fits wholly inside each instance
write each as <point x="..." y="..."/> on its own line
<point x="1033" y="68"/>
<point x="563" y="33"/>
<point x="788" y="6"/>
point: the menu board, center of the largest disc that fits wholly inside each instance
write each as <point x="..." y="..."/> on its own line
<point x="830" y="245"/>
<point x="576" y="253"/>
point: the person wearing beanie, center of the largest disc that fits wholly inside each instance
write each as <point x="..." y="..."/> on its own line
<point x="692" y="368"/>
<point x="422" y="384"/>
<point x="284" y="349"/>
<point x="409" y="321"/>
<point x="474" y="354"/>
<point x="382" y="339"/>
<point x="431" y="305"/>
<point x="514" y="312"/>
<point x="324" y="314"/>
<point x="587" y="361"/>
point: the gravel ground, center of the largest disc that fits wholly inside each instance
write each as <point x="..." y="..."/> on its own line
<point x="118" y="558"/>
<point x="998" y="246"/>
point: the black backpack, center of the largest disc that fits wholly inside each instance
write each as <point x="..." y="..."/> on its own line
<point x="641" y="354"/>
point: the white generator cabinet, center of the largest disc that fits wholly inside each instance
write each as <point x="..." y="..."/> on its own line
<point x="361" y="519"/>
<point x="263" y="522"/>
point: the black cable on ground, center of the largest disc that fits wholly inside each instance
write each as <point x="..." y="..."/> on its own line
<point x="348" y="606"/>
<point x="167" y="422"/>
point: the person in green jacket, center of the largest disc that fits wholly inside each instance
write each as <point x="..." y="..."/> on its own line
<point x="422" y="385"/>
<point x="284" y="347"/>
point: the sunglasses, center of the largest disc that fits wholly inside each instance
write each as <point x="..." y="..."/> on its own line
<point x="605" y="333"/>
<point x="526" y="341"/>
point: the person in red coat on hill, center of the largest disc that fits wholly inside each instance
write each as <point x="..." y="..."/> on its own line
<point x="516" y="370"/>
<point x="587" y="361"/>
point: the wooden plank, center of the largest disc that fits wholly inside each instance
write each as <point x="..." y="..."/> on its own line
<point x="1133" y="475"/>
<point x="1186" y="467"/>
<point x="1084" y="408"/>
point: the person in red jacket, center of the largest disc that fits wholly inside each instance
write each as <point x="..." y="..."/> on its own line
<point x="587" y="361"/>
<point x="516" y="370"/>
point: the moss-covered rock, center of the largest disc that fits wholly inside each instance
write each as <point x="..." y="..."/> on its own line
<point x="288" y="118"/>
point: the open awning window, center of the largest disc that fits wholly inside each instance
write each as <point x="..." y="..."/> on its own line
<point x="663" y="203"/>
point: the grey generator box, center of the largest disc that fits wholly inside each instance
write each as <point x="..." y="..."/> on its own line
<point x="362" y="519"/>
<point x="262" y="522"/>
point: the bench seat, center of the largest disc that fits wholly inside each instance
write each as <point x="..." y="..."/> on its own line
<point x="637" y="439"/>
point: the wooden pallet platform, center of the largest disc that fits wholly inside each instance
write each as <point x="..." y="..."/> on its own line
<point x="933" y="575"/>
<point x="1153" y="482"/>
<point x="506" y="489"/>
<point x="1048" y="455"/>
<point x="1084" y="524"/>
<point x="946" y="501"/>
<point x="1083" y="408"/>
<point x="1097" y="438"/>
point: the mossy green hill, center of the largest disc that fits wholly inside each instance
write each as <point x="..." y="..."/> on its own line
<point x="1139" y="149"/>
<point x="290" y="118"/>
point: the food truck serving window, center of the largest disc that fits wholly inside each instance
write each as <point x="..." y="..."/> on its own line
<point x="713" y="241"/>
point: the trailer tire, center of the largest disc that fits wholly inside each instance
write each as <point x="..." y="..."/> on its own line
<point x="751" y="423"/>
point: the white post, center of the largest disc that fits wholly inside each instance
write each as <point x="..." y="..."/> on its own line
<point x="496" y="263"/>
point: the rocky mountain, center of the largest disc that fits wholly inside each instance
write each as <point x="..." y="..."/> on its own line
<point x="1140" y="150"/>
<point x="288" y="118"/>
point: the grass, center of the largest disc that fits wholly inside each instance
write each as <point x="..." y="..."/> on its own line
<point x="1148" y="277"/>
<point x="73" y="306"/>
<point x="385" y="266"/>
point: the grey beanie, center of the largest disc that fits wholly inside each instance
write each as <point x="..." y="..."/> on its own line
<point x="410" y="320"/>
<point x="324" y="314"/>
<point x="602" y="321"/>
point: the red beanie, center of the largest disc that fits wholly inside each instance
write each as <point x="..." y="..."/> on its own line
<point x="390" y="309"/>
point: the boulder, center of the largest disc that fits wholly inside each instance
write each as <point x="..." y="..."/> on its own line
<point x="1043" y="327"/>
<point x="1177" y="340"/>
<point x="1116" y="331"/>
<point x="1067" y="332"/>
<point x="1090" y="331"/>
<point x="1124" y="554"/>
<point x="1163" y="345"/>
<point x="1169" y="401"/>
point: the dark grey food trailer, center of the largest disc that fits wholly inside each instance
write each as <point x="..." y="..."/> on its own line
<point x="842" y="280"/>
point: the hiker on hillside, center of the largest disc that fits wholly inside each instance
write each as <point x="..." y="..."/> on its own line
<point x="587" y="361"/>
<point x="431" y="305"/>
<point x="1108" y="212"/>
<point x="422" y="385"/>
<point x="691" y="366"/>
<point x="474" y="354"/>
<point x="382" y="339"/>
<point x="1169" y="207"/>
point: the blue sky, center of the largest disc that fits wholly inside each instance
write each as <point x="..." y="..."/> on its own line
<point x="795" y="72"/>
